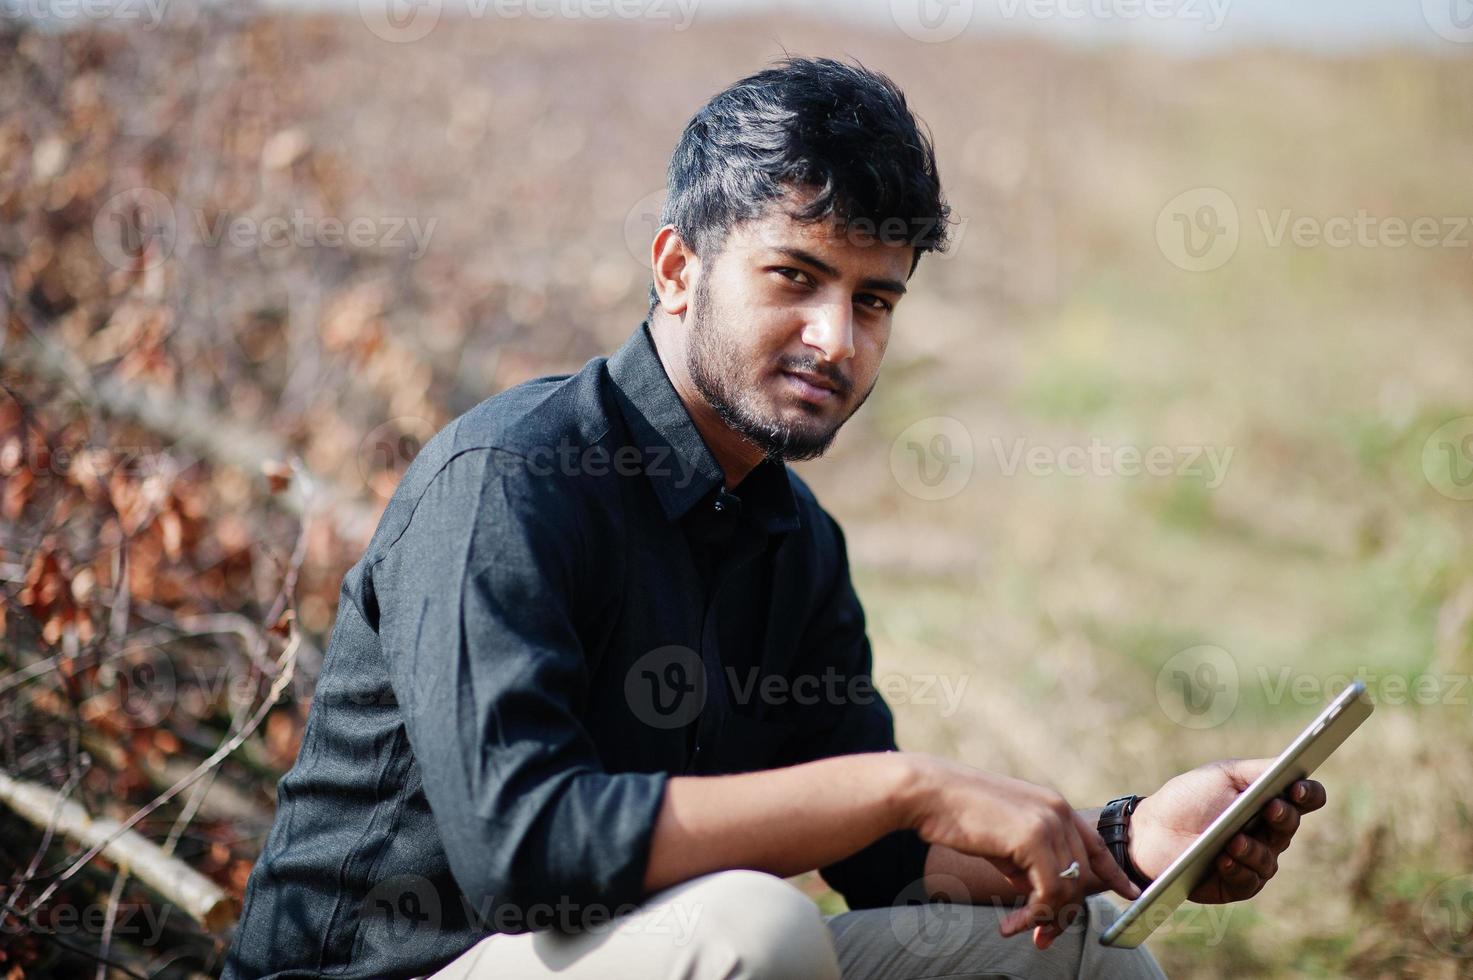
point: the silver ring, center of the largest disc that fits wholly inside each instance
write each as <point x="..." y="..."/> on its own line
<point x="1070" y="872"/>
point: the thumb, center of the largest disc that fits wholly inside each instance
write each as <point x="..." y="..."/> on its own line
<point x="1242" y="772"/>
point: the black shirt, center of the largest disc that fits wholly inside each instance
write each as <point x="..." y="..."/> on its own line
<point x="562" y="605"/>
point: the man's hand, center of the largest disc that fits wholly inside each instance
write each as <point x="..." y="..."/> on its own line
<point x="1029" y="833"/>
<point x="1168" y="820"/>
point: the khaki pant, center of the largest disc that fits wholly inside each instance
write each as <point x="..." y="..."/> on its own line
<point x="745" y="925"/>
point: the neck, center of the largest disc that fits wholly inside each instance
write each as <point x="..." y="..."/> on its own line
<point x="735" y="454"/>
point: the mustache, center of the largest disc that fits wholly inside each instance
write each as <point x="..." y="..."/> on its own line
<point x="812" y="365"/>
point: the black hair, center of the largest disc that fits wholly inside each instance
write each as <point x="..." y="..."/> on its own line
<point x="841" y="131"/>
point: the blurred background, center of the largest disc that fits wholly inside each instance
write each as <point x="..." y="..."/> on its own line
<point x="1175" y="441"/>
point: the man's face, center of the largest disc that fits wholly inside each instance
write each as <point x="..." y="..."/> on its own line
<point x="789" y="325"/>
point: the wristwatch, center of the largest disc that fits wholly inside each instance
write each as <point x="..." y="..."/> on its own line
<point x="1114" y="827"/>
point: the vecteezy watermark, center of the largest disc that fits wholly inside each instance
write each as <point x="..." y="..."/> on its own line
<point x="666" y="688"/>
<point x="303" y="230"/>
<point x="1451" y="20"/>
<point x="933" y="458"/>
<point x="1200" y="229"/>
<point x="1099" y="459"/>
<point x="675" y="921"/>
<point x="930" y="917"/>
<point x="1447" y="458"/>
<point x="1206" y="924"/>
<point x="1363" y="230"/>
<point x="404" y="906"/>
<point x="935" y="21"/>
<point x="570" y="458"/>
<point x="1198" y="687"/>
<point x="834" y="688"/>
<point x="402" y="21"/>
<point x="141" y="924"/>
<point x="935" y="917"/>
<point x="1447" y="916"/>
<point x="1389" y="688"/>
<point x="135" y="690"/>
<point x="1211" y="13"/>
<point x="135" y="229"/>
<point x="87" y="465"/>
<point x="643" y="221"/>
<point x="386" y="452"/>
<point x="137" y="14"/>
<point x="139" y="228"/>
<point x="932" y="21"/>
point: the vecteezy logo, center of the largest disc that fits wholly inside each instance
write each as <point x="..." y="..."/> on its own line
<point x="1198" y="687"/>
<point x="1450" y="19"/>
<point x="928" y="927"/>
<point x="136" y="690"/>
<point x="403" y="906"/>
<point x="400" y="21"/>
<point x="933" y="458"/>
<point x="666" y="688"/>
<point x="135" y="229"/>
<point x="1198" y="229"/>
<point x="386" y="452"/>
<point x="1447" y="916"/>
<point x="1447" y="458"/>
<point x="932" y="20"/>
<point x="641" y="224"/>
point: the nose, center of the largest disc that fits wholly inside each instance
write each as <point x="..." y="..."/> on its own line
<point x="830" y="329"/>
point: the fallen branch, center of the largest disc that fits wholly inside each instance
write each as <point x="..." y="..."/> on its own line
<point x="195" y="894"/>
<point x="199" y="897"/>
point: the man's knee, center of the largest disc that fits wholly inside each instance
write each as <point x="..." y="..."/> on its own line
<point x="773" y="931"/>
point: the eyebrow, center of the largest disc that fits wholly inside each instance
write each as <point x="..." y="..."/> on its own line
<point x="886" y="285"/>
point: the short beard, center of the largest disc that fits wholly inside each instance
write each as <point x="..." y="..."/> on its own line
<point x="715" y="366"/>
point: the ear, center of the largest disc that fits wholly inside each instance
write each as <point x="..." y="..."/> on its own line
<point x="675" y="267"/>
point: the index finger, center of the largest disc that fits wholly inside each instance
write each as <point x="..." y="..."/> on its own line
<point x="1044" y="881"/>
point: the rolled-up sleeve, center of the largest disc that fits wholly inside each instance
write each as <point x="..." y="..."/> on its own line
<point x="479" y="599"/>
<point x="856" y="720"/>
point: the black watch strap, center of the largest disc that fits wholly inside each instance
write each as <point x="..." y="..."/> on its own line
<point x="1114" y="828"/>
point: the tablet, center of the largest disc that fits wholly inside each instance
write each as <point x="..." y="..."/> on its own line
<point x="1192" y="866"/>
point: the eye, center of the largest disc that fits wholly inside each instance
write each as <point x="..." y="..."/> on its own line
<point x="794" y="275"/>
<point x="873" y="302"/>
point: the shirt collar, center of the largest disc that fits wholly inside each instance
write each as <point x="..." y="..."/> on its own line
<point x="678" y="462"/>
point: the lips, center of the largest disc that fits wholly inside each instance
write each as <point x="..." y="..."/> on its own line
<point x="816" y="380"/>
<point x="811" y="388"/>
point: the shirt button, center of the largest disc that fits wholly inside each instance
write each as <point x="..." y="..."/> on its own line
<point x="720" y="505"/>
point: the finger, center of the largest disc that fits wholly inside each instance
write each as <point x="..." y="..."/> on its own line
<point x="1255" y="855"/>
<point x="1238" y="881"/>
<point x="1308" y="795"/>
<point x="1043" y="869"/>
<point x="1026" y="916"/>
<point x="1279" y="822"/>
<point x="1016" y="875"/>
<point x="1242" y="772"/>
<point x="1074" y="901"/>
<point x="1105" y="867"/>
<point x="1060" y="890"/>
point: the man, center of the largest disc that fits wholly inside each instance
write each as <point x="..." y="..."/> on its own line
<point x="546" y="740"/>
